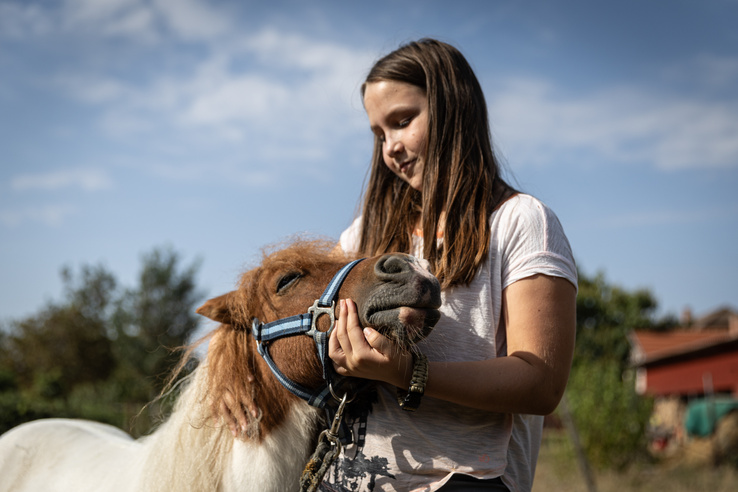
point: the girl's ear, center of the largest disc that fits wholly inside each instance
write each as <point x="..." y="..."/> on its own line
<point x="218" y="309"/>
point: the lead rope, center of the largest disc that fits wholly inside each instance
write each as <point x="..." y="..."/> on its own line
<point x="328" y="448"/>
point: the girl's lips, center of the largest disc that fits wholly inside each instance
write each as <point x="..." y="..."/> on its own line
<point x="406" y="165"/>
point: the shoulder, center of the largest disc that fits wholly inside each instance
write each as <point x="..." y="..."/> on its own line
<point x="528" y="238"/>
<point x="351" y="237"/>
<point x="524" y="211"/>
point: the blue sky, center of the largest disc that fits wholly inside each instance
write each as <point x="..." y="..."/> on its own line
<point x="220" y="127"/>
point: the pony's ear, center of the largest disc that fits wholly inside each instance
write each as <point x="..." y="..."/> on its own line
<point x="218" y="309"/>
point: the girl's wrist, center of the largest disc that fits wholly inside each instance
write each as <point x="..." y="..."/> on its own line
<point x="401" y="377"/>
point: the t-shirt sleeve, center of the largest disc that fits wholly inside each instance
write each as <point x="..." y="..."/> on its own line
<point x="532" y="242"/>
<point x="350" y="238"/>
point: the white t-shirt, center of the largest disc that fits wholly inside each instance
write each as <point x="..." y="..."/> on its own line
<point x="407" y="451"/>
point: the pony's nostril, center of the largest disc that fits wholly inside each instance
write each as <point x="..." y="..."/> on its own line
<point x="393" y="264"/>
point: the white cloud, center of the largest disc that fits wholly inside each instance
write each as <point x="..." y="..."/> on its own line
<point x="94" y="89"/>
<point x="193" y="19"/>
<point x="85" y="179"/>
<point x="296" y="51"/>
<point x="538" y="125"/>
<point x="709" y="71"/>
<point x="127" y="18"/>
<point x="50" y="215"/>
<point x="136" y="23"/>
<point x="262" y="89"/>
<point x="141" y="21"/>
<point x="20" y="21"/>
<point x="247" y="84"/>
<point x="85" y="13"/>
<point x="257" y="92"/>
<point x="236" y="99"/>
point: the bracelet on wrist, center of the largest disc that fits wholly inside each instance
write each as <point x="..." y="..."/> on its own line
<point x="410" y="401"/>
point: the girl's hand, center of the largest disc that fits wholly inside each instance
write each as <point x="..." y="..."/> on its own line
<point x="233" y="414"/>
<point x="366" y="353"/>
<point x="238" y="415"/>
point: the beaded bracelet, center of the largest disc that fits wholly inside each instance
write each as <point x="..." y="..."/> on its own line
<point x="410" y="401"/>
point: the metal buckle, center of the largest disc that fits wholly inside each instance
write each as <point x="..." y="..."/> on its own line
<point x="316" y="311"/>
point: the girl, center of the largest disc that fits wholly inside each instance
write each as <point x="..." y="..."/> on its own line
<point x="501" y="354"/>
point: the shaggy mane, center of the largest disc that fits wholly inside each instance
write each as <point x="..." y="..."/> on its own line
<point x="189" y="450"/>
<point x="232" y="370"/>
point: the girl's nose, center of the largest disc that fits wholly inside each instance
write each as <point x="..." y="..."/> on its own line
<point x="393" y="146"/>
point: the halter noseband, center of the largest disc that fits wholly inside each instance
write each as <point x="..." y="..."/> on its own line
<point x="305" y="323"/>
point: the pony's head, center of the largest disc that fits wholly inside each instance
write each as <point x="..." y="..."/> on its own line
<point x="394" y="294"/>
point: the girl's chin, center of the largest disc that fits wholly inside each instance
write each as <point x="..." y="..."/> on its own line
<point x="415" y="182"/>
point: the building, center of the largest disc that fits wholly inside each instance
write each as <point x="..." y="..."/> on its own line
<point x="692" y="373"/>
<point x="696" y="359"/>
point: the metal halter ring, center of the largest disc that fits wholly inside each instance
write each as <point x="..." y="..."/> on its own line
<point x="343" y="399"/>
<point x="316" y="311"/>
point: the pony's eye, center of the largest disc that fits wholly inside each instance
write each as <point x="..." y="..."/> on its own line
<point x="287" y="279"/>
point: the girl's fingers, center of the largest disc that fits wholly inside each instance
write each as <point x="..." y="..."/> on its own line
<point x="341" y="329"/>
<point x="338" y="343"/>
<point x="378" y="342"/>
<point x="233" y="413"/>
<point x="353" y="327"/>
<point x="227" y="417"/>
<point x="334" y="346"/>
<point x="360" y="352"/>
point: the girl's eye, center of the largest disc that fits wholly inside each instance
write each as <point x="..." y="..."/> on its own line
<point x="287" y="280"/>
<point x="404" y="123"/>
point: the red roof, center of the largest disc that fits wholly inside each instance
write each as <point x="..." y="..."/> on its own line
<point x="649" y="346"/>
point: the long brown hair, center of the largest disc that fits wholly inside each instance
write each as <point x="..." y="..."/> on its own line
<point x="460" y="176"/>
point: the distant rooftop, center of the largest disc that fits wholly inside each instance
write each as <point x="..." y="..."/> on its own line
<point x="715" y="328"/>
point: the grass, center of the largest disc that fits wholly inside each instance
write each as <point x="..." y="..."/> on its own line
<point x="557" y="470"/>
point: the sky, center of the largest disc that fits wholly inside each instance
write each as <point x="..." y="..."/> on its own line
<point x="217" y="128"/>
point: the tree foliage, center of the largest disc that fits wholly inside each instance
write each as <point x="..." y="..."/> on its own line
<point x="65" y="344"/>
<point x="611" y="418"/>
<point x="153" y="320"/>
<point x="100" y="352"/>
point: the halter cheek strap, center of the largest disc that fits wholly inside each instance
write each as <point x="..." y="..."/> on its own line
<point x="305" y="323"/>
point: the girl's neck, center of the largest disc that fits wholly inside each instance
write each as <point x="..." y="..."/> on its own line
<point x="418" y="229"/>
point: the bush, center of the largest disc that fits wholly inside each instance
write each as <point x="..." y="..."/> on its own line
<point x="610" y="417"/>
<point x="103" y="352"/>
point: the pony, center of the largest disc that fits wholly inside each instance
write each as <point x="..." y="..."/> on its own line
<point x="194" y="449"/>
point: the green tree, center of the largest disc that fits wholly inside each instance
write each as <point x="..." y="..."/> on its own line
<point x="153" y="320"/>
<point x="65" y="344"/>
<point x="97" y="353"/>
<point x="45" y="357"/>
<point x="611" y="418"/>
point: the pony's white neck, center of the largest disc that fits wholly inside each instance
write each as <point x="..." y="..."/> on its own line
<point x="190" y="452"/>
<point x="276" y="463"/>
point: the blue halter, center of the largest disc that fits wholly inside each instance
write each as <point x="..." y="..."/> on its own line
<point x="305" y="323"/>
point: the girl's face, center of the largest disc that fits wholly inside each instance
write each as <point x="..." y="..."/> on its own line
<point x="398" y="115"/>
